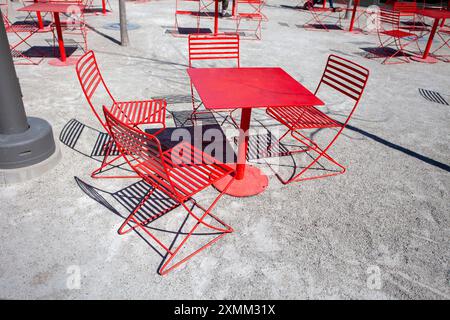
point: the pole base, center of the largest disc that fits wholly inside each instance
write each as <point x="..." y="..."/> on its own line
<point x="254" y="182"/>
<point x="27" y="148"/>
<point x="56" y="62"/>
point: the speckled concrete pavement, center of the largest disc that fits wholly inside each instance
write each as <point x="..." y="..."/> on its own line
<point x="379" y="231"/>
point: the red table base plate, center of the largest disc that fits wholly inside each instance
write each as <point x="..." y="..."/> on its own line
<point x="56" y="62"/>
<point x="254" y="182"/>
<point x="426" y="60"/>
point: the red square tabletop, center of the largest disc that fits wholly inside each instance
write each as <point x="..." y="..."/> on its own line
<point x="50" y="7"/>
<point x="229" y="88"/>
<point x="434" y="13"/>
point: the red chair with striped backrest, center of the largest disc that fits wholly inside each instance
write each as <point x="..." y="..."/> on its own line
<point x="180" y="172"/>
<point x="409" y="9"/>
<point x="391" y="35"/>
<point x="135" y="113"/>
<point x="341" y="76"/>
<point x="211" y="47"/>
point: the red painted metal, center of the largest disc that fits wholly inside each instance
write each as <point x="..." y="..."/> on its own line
<point x="390" y="34"/>
<point x="217" y="47"/>
<point x="344" y="77"/>
<point x="247" y="88"/>
<point x="352" y="21"/>
<point x="250" y="10"/>
<point x="444" y="35"/>
<point x="222" y="88"/>
<point x="180" y="172"/>
<point x="56" y="8"/>
<point x="437" y="15"/>
<point x="208" y="47"/>
<point x="319" y="17"/>
<point x="22" y="33"/>
<point x="135" y="113"/>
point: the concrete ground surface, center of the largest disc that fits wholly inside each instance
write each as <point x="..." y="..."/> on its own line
<point x="379" y="231"/>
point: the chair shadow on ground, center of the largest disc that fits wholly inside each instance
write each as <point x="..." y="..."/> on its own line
<point x="48" y="52"/>
<point x="384" y="52"/>
<point x="156" y="208"/>
<point x="434" y="96"/>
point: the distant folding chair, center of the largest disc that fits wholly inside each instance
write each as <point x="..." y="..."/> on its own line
<point x="340" y="75"/>
<point x="409" y="9"/>
<point x="180" y="172"/>
<point x="250" y="10"/>
<point x="320" y="18"/>
<point x="444" y="34"/>
<point x="21" y="32"/>
<point x="390" y="34"/>
<point x="211" y="47"/>
<point x="135" y="113"/>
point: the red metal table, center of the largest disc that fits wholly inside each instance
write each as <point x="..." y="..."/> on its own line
<point x="55" y="8"/>
<point x="247" y="88"/>
<point x="437" y="15"/>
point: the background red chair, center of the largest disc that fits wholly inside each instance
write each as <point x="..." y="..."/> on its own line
<point x="22" y="32"/>
<point x="180" y="172"/>
<point x="409" y="9"/>
<point x="391" y="35"/>
<point x="341" y="76"/>
<point x="135" y="113"/>
<point x="211" y="47"/>
<point x="250" y="10"/>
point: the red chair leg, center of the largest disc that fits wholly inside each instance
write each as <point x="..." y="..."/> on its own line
<point x="200" y="220"/>
<point x="96" y="174"/>
<point x="311" y="145"/>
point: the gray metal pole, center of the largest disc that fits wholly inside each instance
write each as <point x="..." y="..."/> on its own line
<point x="24" y="141"/>
<point x="124" y="40"/>
<point x="12" y="112"/>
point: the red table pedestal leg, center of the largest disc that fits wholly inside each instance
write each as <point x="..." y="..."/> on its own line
<point x="249" y="180"/>
<point x="63" y="61"/>
<point x="425" y="58"/>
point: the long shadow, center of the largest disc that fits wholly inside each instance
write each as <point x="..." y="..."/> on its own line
<point x="104" y="35"/>
<point x="157" y="206"/>
<point x="411" y="153"/>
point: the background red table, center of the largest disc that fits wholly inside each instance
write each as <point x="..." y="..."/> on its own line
<point x="55" y="8"/>
<point x="437" y="15"/>
<point x="247" y="88"/>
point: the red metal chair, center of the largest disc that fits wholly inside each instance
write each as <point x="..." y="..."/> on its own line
<point x="390" y="34"/>
<point x="250" y="10"/>
<point x="75" y="23"/>
<point x="409" y="10"/>
<point x="180" y="172"/>
<point x="211" y="47"/>
<point x="341" y="76"/>
<point x="321" y="16"/>
<point x="22" y="32"/>
<point x="444" y="34"/>
<point x="135" y="113"/>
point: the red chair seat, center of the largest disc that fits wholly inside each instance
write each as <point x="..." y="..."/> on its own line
<point x="397" y="33"/>
<point x="254" y="15"/>
<point x="302" y="118"/>
<point x="188" y="12"/>
<point x="190" y="172"/>
<point x="22" y="28"/>
<point x="140" y="112"/>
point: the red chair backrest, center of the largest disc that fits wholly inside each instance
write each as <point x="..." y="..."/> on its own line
<point x="141" y="150"/>
<point x="389" y="17"/>
<point x="405" y="6"/>
<point x="213" y="47"/>
<point x="93" y="85"/>
<point x="345" y="77"/>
